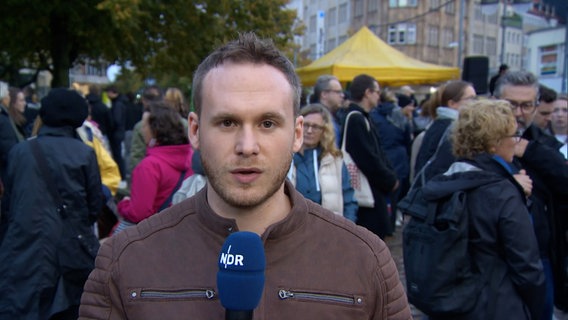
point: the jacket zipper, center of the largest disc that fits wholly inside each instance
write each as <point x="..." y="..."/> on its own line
<point x="321" y="297"/>
<point x="178" y="294"/>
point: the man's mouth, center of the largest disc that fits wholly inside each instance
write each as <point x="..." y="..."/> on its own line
<point x="246" y="175"/>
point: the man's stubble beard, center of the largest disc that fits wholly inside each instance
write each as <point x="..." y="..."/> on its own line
<point x="240" y="199"/>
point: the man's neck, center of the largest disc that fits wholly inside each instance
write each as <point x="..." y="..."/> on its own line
<point x="254" y="219"/>
<point x="365" y="105"/>
<point x="330" y="109"/>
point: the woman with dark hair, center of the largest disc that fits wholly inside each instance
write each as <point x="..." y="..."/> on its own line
<point x="16" y="110"/>
<point x="501" y="243"/>
<point x="156" y="178"/>
<point x="318" y="170"/>
<point x="436" y="147"/>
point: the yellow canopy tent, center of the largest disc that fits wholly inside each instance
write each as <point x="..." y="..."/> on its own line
<point x="366" y="53"/>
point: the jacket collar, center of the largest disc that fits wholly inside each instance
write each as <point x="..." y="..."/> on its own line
<point x="66" y="131"/>
<point x="537" y="134"/>
<point x="223" y="226"/>
<point x="356" y="107"/>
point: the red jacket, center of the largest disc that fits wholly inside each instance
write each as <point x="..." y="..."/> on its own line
<point x="154" y="180"/>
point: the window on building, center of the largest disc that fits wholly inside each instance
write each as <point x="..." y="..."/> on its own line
<point x="313" y="23"/>
<point x="313" y="53"/>
<point x="373" y="6"/>
<point x="402" y="3"/>
<point x="434" y="4"/>
<point x="432" y="39"/>
<point x="448" y="36"/>
<point x="331" y="17"/>
<point x="478" y="13"/>
<point x="342" y="16"/>
<point x="491" y="46"/>
<point x="493" y="18"/>
<point x="358" y="8"/>
<point x="341" y="39"/>
<point x="411" y="33"/>
<point x="329" y="45"/>
<point x="477" y="44"/>
<point x="392" y="35"/>
<point x="548" y="60"/>
<point x="402" y="33"/>
<point x="451" y="7"/>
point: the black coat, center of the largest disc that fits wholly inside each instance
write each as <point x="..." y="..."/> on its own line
<point x="549" y="172"/>
<point x="366" y="151"/>
<point x="395" y="134"/>
<point x="502" y="241"/>
<point x="31" y="233"/>
<point x="100" y="113"/>
<point x="444" y="158"/>
<point x="8" y="138"/>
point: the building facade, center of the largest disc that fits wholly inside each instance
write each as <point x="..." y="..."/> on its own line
<point x="546" y="56"/>
<point x="442" y="32"/>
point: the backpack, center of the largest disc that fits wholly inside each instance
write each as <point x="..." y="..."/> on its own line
<point x="440" y="276"/>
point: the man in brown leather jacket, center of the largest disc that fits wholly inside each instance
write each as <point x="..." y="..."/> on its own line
<point x="246" y="125"/>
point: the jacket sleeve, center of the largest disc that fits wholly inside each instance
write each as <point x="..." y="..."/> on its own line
<point x="110" y="175"/>
<point x="521" y="253"/>
<point x="101" y="298"/>
<point x="349" y="203"/>
<point x="138" y="148"/>
<point x="550" y="165"/>
<point x="366" y="155"/>
<point x="145" y="183"/>
<point x="94" y="186"/>
<point x="395" y="304"/>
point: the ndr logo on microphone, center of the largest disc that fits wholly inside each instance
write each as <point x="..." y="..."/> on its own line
<point x="229" y="259"/>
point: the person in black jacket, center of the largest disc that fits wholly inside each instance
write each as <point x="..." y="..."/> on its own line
<point x="9" y="134"/>
<point x="47" y="248"/>
<point x="436" y="140"/>
<point x="538" y="153"/>
<point x="493" y="81"/>
<point x="117" y="132"/>
<point x="502" y="244"/>
<point x="100" y="113"/>
<point x="395" y="131"/>
<point x="364" y="147"/>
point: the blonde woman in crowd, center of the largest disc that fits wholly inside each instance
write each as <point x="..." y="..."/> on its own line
<point x="318" y="170"/>
<point x="502" y="241"/>
<point x="175" y="98"/>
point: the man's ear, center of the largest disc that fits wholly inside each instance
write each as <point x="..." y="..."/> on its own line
<point x="298" y="134"/>
<point x="193" y="130"/>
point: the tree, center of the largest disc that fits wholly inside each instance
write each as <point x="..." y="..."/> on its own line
<point x="159" y="38"/>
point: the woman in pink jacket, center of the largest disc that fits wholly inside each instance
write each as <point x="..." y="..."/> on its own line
<point x="167" y="162"/>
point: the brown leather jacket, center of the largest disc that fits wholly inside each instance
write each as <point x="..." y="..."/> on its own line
<point x="319" y="266"/>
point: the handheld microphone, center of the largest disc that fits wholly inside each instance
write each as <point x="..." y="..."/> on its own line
<point x="240" y="279"/>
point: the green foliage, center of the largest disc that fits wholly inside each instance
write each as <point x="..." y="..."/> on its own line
<point x="164" y="40"/>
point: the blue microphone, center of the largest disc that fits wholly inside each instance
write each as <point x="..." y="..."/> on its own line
<point x="240" y="279"/>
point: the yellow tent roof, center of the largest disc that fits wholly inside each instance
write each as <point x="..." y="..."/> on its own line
<point x="366" y="53"/>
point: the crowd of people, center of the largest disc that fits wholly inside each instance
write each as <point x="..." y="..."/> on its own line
<point x="249" y="157"/>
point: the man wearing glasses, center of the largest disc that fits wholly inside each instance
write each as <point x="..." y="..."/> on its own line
<point x="538" y="154"/>
<point x="328" y="92"/>
<point x="363" y="144"/>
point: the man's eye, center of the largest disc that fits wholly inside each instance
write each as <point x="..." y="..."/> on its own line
<point x="226" y="123"/>
<point x="267" y="124"/>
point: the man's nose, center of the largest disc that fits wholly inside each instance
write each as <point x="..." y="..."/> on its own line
<point x="517" y="111"/>
<point x="247" y="141"/>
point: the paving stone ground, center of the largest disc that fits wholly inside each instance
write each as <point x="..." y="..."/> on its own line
<point x="395" y="246"/>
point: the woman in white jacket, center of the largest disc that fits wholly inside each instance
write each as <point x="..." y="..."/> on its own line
<point x="318" y="170"/>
